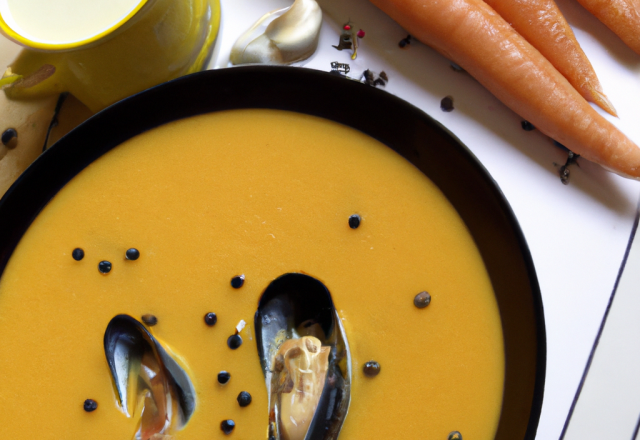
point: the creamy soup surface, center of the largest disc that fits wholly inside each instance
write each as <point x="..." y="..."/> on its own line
<point x="260" y="193"/>
<point x="64" y="21"/>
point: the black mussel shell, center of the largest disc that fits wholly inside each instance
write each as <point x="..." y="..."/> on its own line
<point x="126" y="340"/>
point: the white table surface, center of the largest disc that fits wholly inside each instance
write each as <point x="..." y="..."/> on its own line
<point x="577" y="233"/>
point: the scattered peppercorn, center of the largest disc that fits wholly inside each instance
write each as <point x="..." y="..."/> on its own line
<point x="210" y="319"/>
<point x="368" y="77"/>
<point x="104" y="267"/>
<point x="446" y="105"/>
<point x="527" y="126"/>
<point x="149" y="319"/>
<point x="244" y="399"/>
<point x="422" y="300"/>
<point x="227" y="426"/>
<point x="371" y="369"/>
<point x="132" y="254"/>
<point x="237" y="281"/>
<point x="454" y="435"/>
<point x="10" y="138"/>
<point x="223" y="377"/>
<point x="354" y="221"/>
<point x="77" y="254"/>
<point x="564" y="172"/>
<point x="90" y="405"/>
<point x="234" y="341"/>
<point x="405" y="41"/>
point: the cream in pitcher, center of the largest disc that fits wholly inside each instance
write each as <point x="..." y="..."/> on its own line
<point x="104" y="50"/>
<point x="65" y="22"/>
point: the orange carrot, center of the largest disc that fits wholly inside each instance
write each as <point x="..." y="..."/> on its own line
<point x="542" y="24"/>
<point x="473" y="35"/>
<point x="621" y="16"/>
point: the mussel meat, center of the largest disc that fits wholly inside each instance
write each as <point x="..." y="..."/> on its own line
<point x="305" y="358"/>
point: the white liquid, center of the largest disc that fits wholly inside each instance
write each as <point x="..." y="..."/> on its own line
<point x="63" y="21"/>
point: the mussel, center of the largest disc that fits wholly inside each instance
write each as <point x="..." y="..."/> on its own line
<point x="305" y="358"/>
<point x="141" y="368"/>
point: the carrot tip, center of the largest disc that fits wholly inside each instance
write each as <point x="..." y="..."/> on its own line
<point x="603" y="102"/>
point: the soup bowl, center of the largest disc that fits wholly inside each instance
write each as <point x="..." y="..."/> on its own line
<point x="419" y="140"/>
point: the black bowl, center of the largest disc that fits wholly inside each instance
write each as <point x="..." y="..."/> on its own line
<point x="394" y="122"/>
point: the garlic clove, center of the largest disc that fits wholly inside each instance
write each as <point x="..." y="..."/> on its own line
<point x="292" y="36"/>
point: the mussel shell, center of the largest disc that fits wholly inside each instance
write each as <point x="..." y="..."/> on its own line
<point x="125" y="331"/>
<point x="297" y="305"/>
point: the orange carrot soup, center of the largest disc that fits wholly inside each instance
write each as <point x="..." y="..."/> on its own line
<point x="242" y="197"/>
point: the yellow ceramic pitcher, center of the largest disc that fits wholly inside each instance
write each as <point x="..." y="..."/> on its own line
<point x="150" y="42"/>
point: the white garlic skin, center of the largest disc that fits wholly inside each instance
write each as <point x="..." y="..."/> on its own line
<point x="291" y="37"/>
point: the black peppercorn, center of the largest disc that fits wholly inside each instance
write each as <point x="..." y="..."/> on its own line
<point x="223" y="377"/>
<point x="210" y="319"/>
<point x="104" y="267"/>
<point x="90" y="405"/>
<point x="405" y="41"/>
<point x="446" y="105"/>
<point x="237" y="281"/>
<point x="371" y="369"/>
<point x="244" y="399"/>
<point x="149" y="319"/>
<point x="527" y="126"/>
<point x="227" y="426"/>
<point x="354" y="221"/>
<point x="564" y="171"/>
<point x="10" y="138"/>
<point x="77" y="254"/>
<point x="132" y="254"/>
<point x="422" y="300"/>
<point x="234" y="341"/>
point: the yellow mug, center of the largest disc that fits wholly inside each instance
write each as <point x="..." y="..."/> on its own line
<point x="151" y="42"/>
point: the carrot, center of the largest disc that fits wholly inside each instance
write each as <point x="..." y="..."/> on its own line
<point x="473" y="35"/>
<point x="542" y="24"/>
<point x="621" y="16"/>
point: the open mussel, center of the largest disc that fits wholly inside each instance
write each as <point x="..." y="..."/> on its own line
<point x="141" y="368"/>
<point x="305" y="357"/>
